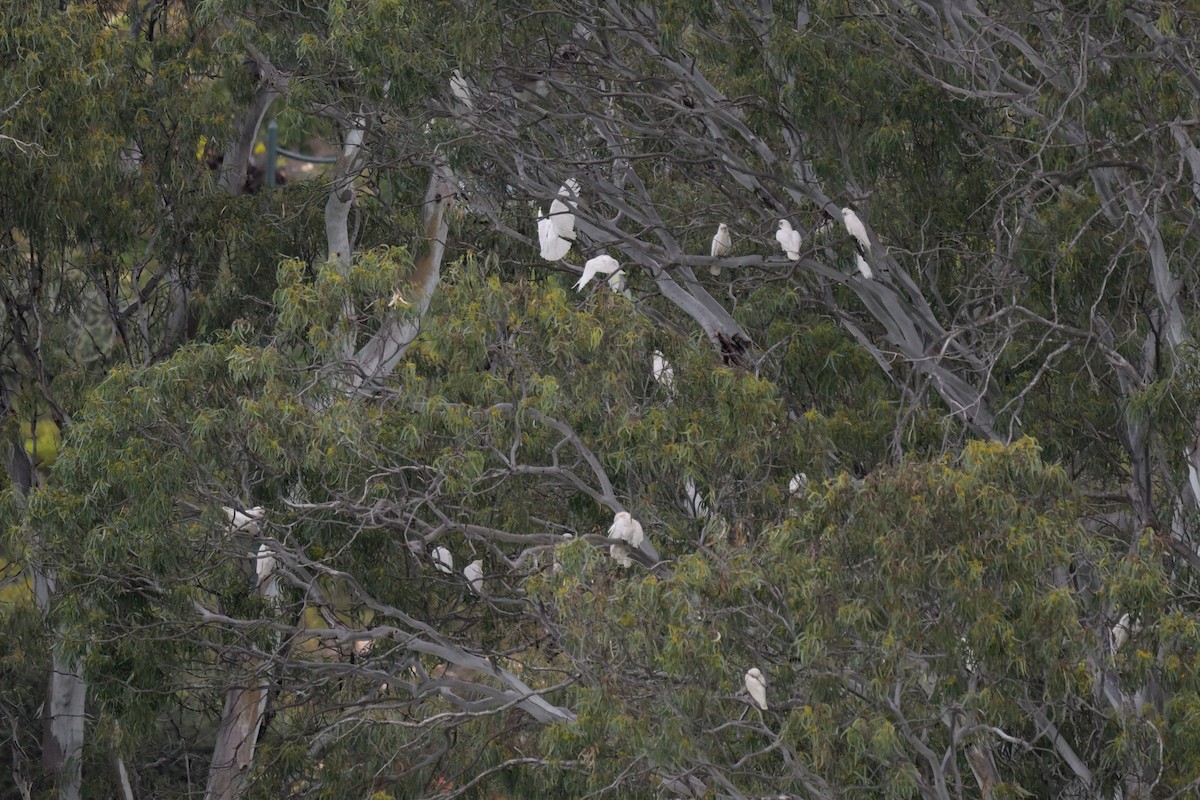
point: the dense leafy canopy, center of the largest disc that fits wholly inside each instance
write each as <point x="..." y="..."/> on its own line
<point x="949" y="511"/>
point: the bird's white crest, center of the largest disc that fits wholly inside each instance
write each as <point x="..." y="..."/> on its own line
<point x="243" y="522"/>
<point x="696" y="509"/>
<point x="855" y="227"/>
<point x="789" y="239"/>
<point x="603" y="264"/>
<point x="553" y="247"/>
<point x="264" y="564"/>
<point x="721" y="242"/>
<point x="443" y="560"/>
<point x="756" y="685"/>
<point x="863" y="266"/>
<point x="662" y="371"/>
<point x="460" y="89"/>
<point x="798" y="483"/>
<point x="474" y="575"/>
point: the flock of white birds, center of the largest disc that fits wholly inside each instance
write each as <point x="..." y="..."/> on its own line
<point x="556" y="233"/>
<point x="625" y="535"/>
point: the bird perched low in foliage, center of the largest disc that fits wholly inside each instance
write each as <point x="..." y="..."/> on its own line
<point x="474" y="575"/>
<point x="856" y="228"/>
<point x="756" y="685"/>
<point x="721" y="242"/>
<point x="662" y="371"/>
<point x="789" y="239"/>
<point x="603" y="264"/>
<point x="625" y="529"/>
<point x="443" y="560"/>
<point x="42" y="442"/>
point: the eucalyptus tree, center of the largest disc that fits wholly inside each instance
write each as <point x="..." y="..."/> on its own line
<point x="931" y="618"/>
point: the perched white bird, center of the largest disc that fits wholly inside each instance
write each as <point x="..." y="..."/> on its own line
<point x="625" y="529"/>
<point x="856" y="228"/>
<point x="720" y="246"/>
<point x="789" y="239"/>
<point x="264" y="565"/>
<point x="619" y="283"/>
<point x="562" y="217"/>
<point x="240" y="522"/>
<point x="603" y="264"/>
<point x="696" y="509"/>
<point x="443" y="560"/>
<point x="756" y="685"/>
<point x="553" y="247"/>
<point x="797" y="484"/>
<point x="661" y="369"/>
<point x="1121" y="631"/>
<point x="863" y="266"/>
<point x="460" y="89"/>
<point x="474" y="575"/>
<point x="620" y="554"/>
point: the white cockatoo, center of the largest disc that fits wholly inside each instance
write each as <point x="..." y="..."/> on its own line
<point x="797" y="484"/>
<point x="460" y="89"/>
<point x="1121" y="632"/>
<point x="264" y="565"/>
<point x="443" y="560"/>
<point x="789" y="239"/>
<point x="696" y="509"/>
<point x="756" y="685"/>
<point x="856" y="228"/>
<point x="243" y="522"/>
<point x="474" y="575"/>
<point x="720" y="246"/>
<point x="553" y="247"/>
<point x="603" y="264"/>
<point x="619" y="283"/>
<point x="661" y="369"/>
<point x="562" y="209"/>
<point x="863" y="266"/>
<point x="625" y="529"/>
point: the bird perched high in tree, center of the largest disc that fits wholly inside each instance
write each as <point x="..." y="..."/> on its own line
<point x="856" y="228"/>
<point x="474" y="575"/>
<point x="628" y="530"/>
<point x="603" y="264"/>
<point x="863" y="266"/>
<point x="789" y="239"/>
<point x="562" y="209"/>
<point x="244" y="522"/>
<point x="552" y="246"/>
<point x="721" y="242"/>
<point x="756" y="685"/>
<point x="443" y="560"/>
